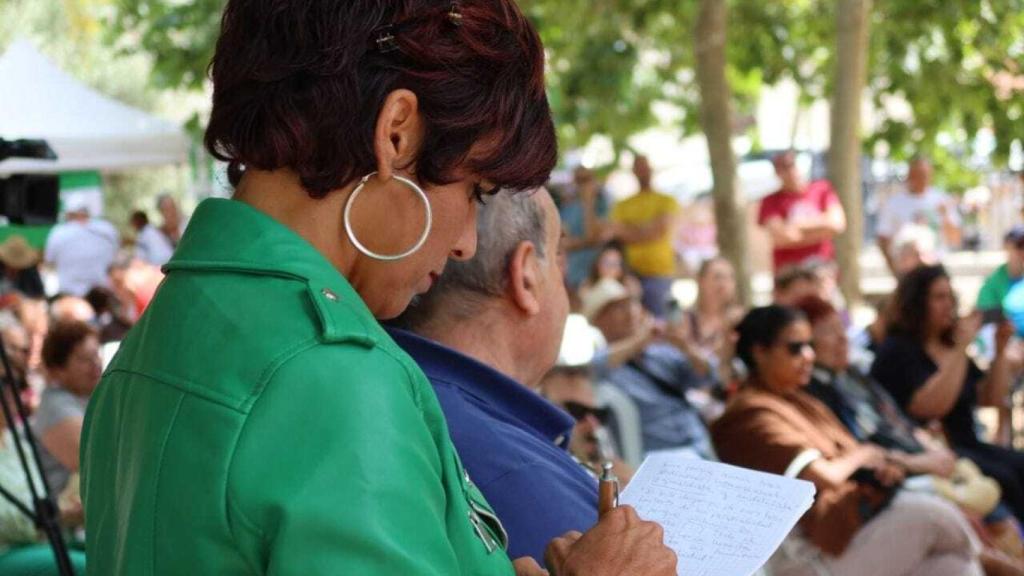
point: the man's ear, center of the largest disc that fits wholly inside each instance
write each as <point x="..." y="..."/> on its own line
<point x="524" y="276"/>
<point x="399" y="133"/>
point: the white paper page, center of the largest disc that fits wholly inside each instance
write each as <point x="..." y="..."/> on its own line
<point x="720" y="520"/>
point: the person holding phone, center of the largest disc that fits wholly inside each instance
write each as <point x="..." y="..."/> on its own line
<point x="923" y="363"/>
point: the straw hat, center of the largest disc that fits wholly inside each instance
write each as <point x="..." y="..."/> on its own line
<point x="15" y="252"/>
<point x="601" y="294"/>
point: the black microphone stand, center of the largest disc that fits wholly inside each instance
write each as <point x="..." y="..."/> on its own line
<point x="43" y="510"/>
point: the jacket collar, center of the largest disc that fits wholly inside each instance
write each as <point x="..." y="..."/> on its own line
<point x="231" y="236"/>
<point x="498" y="391"/>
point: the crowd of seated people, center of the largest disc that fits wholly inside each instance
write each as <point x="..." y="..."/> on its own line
<point x="54" y="347"/>
<point x="891" y="443"/>
<point x="871" y="415"/>
<point x="884" y="424"/>
<point x="773" y="425"/>
<point x="23" y="549"/>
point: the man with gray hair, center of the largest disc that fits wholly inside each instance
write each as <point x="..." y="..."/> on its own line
<point x="485" y="335"/>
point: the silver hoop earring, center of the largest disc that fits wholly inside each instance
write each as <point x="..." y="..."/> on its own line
<point x="370" y="253"/>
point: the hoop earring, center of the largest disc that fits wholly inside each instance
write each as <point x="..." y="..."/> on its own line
<point x="370" y="253"/>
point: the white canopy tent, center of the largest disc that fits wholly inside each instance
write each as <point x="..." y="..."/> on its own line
<point x="87" y="130"/>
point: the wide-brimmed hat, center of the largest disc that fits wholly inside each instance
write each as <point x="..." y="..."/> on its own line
<point x="15" y="252"/>
<point x="601" y="294"/>
<point x="580" y="343"/>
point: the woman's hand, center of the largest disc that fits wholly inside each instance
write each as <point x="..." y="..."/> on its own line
<point x="871" y="456"/>
<point x="680" y="335"/>
<point x="890" y="475"/>
<point x="886" y="466"/>
<point x="1003" y="334"/>
<point x="967" y="330"/>
<point x="621" y="544"/>
<point x="937" y="462"/>
<point x="941" y="463"/>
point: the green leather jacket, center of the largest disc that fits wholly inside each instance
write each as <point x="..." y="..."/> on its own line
<point x="258" y="420"/>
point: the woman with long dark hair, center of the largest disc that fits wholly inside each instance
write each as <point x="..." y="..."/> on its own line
<point x="610" y="262"/>
<point x="924" y="364"/>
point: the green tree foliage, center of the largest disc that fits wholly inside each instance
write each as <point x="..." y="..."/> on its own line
<point x="611" y="60"/>
<point x="70" y="32"/>
<point x="941" y="57"/>
<point x="937" y="56"/>
<point x="182" y="34"/>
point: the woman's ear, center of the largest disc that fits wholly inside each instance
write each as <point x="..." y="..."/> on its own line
<point x="399" y="133"/>
<point x="760" y="354"/>
<point x="524" y="276"/>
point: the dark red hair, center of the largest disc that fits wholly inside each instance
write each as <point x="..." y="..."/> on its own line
<point x="299" y="84"/>
<point x="815" y="308"/>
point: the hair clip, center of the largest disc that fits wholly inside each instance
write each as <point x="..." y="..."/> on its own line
<point x="454" y="16"/>
<point x="386" y="39"/>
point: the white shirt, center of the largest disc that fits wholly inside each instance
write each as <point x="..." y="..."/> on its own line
<point x="153" y="246"/>
<point x="81" y="253"/>
<point x="925" y="209"/>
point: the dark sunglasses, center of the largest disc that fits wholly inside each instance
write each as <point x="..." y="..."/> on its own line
<point x="581" y="411"/>
<point x="796" y="347"/>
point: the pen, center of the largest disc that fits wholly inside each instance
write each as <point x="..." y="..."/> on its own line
<point x="607" y="490"/>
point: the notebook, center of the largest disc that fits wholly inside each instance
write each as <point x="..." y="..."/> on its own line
<point x="719" y="519"/>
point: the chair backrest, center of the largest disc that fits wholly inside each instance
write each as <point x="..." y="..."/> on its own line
<point x="795" y="548"/>
<point x="627" y="416"/>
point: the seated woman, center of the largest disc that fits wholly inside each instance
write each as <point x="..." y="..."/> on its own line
<point x="713" y="315"/>
<point x="924" y="364"/>
<point x="864" y="407"/>
<point x="716" y="310"/>
<point x="610" y="263"/>
<point x="71" y="356"/>
<point x="859" y="511"/>
<point x="22" y="551"/>
<point x="871" y="415"/>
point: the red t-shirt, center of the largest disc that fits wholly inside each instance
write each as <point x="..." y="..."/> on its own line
<point x="816" y="199"/>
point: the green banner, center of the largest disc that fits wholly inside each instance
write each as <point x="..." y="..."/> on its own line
<point x="34" y="235"/>
<point x="85" y="182"/>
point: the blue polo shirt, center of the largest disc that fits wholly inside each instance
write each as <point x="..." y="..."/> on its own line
<point x="513" y="443"/>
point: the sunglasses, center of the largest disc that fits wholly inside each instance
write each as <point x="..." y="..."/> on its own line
<point x="796" y="347"/>
<point x="580" y="411"/>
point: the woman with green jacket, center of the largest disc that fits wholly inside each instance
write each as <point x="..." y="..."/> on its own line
<point x="258" y="420"/>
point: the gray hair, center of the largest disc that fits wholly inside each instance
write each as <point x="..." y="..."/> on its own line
<point x="506" y="220"/>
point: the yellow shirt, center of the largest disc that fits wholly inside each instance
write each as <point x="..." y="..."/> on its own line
<point x="656" y="257"/>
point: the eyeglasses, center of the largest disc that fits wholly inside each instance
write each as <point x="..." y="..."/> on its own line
<point x="581" y="411"/>
<point x="796" y="347"/>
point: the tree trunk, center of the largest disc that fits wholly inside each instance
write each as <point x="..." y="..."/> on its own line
<point x="716" y="121"/>
<point x="844" y="165"/>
